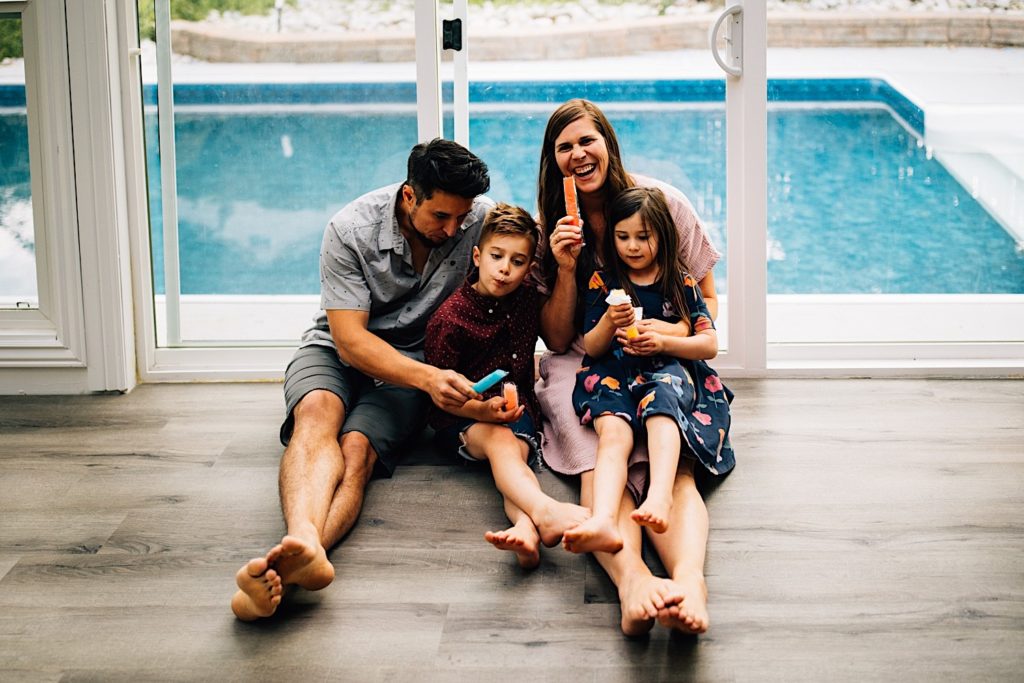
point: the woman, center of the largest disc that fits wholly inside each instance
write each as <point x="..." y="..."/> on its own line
<point x="580" y="142"/>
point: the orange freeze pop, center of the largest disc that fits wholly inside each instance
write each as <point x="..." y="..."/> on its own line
<point x="511" y="395"/>
<point x="572" y="207"/>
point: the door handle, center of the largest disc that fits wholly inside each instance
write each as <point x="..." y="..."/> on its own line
<point x="733" y="64"/>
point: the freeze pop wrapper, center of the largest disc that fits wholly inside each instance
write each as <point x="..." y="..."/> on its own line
<point x="619" y="296"/>
<point x="572" y="207"/>
<point x="511" y="393"/>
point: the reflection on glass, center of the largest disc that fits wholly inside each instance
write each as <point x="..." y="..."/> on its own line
<point x="18" y="286"/>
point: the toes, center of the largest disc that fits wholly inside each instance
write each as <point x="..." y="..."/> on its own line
<point x="273" y="554"/>
<point x="256" y="566"/>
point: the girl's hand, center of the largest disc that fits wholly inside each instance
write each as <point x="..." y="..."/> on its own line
<point x="494" y="411"/>
<point x="620" y="315"/>
<point x="647" y="344"/>
<point x="566" y="242"/>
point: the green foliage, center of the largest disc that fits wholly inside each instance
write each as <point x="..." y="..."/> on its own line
<point x="10" y="37"/>
<point x="197" y="10"/>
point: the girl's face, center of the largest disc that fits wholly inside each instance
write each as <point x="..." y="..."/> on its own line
<point x="636" y="246"/>
<point x="504" y="261"/>
<point x="580" y="152"/>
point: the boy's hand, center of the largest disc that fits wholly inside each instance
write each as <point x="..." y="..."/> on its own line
<point x="448" y="389"/>
<point x="493" y="410"/>
<point x="620" y="315"/>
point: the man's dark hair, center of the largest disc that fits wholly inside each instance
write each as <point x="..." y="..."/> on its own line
<point x="447" y="166"/>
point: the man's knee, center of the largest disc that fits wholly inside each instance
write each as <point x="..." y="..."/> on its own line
<point x="358" y="454"/>
<point x="319" y="410"/>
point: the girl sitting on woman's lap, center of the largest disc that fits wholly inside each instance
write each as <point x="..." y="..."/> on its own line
<point x="648" y="383"/>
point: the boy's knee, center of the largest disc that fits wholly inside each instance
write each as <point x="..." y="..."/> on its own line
<point x="319" y="407"/>
<point x="358" y="454"/>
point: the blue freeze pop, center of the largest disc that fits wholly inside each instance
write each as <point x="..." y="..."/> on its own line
<point x="489" y="381"/>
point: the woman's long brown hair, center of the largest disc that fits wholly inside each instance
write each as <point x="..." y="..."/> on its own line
<point x="656" y="217"/>
<point x="550" y="192"/>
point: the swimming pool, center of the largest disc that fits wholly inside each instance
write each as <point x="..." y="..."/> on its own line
<point x="856" y="204"/>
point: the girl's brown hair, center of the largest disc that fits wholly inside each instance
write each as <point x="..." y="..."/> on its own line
<point x="650" y="204"/>
<point x="550" y="192"/>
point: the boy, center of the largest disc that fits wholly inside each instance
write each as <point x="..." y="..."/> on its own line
<point x="491" y="322"/>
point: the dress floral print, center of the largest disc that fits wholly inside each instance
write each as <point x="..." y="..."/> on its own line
<point x="635" y="388"/>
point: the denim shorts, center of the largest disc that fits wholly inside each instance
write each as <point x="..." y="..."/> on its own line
<point x="453" y="438"/>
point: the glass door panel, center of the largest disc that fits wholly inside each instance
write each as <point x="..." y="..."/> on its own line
<point x="269" y="141"/>
<point x="19" y="287"/>
<point x="667" y="108"/>
<point x="894" y="201"/>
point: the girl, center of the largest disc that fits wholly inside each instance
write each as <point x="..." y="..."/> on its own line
<point x="651" y="383"/>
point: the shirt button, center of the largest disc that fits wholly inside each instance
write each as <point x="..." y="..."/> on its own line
<point x="490" y="310"/>
<point x="513" y="356"/>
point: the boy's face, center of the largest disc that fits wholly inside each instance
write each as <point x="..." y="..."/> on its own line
<point x="503" y="261"/>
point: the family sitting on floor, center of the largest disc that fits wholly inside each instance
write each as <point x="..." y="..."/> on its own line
<point x="428" y="286"/>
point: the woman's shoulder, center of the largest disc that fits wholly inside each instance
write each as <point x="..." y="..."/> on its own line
<point x="673" y="195"/>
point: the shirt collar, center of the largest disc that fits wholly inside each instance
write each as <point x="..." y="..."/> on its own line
<point x="390" y="237"/>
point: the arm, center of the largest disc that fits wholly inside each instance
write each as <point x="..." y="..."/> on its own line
<point x="707" y="289"/>
<point x="373" y="356"/>
<point x="558" y="313"/>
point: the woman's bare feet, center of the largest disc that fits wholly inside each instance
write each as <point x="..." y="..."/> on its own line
<point x="304" y="563"/>
<point x="259" y="590"/>
<point x="642" y="598"/>
<point x="556" y="518"/>
<point x="522" y="539"/>
<point x="653" y="513"/>
<point x="597" y="534"/>
<point x="691" y="614"/>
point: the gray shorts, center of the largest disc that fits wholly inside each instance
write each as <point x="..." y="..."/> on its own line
<point x="387" y="415"/>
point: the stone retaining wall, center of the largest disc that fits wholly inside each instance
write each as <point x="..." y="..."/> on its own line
<point x="810" y="29"/>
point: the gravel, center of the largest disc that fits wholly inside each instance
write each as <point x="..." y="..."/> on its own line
<point x="394" y="16"/>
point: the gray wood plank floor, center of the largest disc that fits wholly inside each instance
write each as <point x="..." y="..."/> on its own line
<point x="873" y="530"/>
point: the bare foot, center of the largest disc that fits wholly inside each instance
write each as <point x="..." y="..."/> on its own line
<point x="304" y="564"/>
<point x="521" y="539"/>
<point x="597" y="534"/>
<point x="653" y="514"/>
<point x="691" y="614"/>
<point x="642" y="598"/>
<point x="555" y="519"/>
<point x="259" y="590"/>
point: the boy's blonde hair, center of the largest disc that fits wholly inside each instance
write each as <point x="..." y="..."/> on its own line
<point x="507" y="219"/>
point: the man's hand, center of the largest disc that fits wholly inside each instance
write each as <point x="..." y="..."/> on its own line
<point x="493" y="410"/>
<point x="448" y="389"/>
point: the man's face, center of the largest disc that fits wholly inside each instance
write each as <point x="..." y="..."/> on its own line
<point x="435" y="220"/>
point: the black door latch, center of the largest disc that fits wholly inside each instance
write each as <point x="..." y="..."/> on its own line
<point x="451" y="34"/>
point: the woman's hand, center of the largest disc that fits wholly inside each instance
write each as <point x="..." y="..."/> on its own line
<point x="566" y="242"/>
<point x="679" y="329"/>
<point x="493" y="410"/>
<point x="620" y="315"/>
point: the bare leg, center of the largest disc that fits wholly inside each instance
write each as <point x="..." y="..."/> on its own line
<point x="311" y="470"/>
<point x="507" y="456"/>
<point x="683" y="552"/>
<point x="601" y="532"/>
<point x="641" y="594"/>
<point x="663" y="442"/>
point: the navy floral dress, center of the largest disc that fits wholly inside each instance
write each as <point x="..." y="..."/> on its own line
<point x="636" y="387"/>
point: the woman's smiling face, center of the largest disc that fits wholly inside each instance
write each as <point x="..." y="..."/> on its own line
<point x="580" y="152"/>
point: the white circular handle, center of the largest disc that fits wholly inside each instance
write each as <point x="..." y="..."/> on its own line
<point x="713" y="39"/>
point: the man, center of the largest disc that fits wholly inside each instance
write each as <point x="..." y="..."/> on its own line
<point x="357" y="390"/>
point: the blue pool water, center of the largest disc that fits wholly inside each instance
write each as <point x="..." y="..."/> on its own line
<point x="855" y="205"/>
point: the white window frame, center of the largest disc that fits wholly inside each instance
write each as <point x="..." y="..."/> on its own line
<point x="52" y="335"/>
